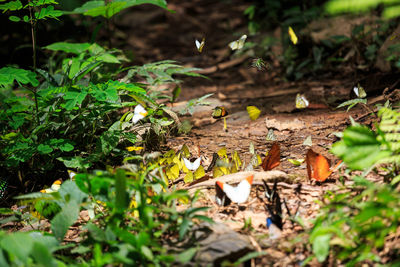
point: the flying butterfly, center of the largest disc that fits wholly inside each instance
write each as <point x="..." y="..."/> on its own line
<point x="199" y="45"/>
<point x="292" y="36"/>
<point x="318" y="166"/>
<point x="273" y="159"/>
<point x="253" y="112"/>
<point x="359" y="91"/>
<point x="219" y="112"/>
<point x="301" y="101"/>
<point x="139" y="113"/>
<point x="238" y="44"/>
<point x="238" y="194"/>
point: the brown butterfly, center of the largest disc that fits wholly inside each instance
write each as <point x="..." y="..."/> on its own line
<point x="318" y="166"/>
<point x="273" y="159"/>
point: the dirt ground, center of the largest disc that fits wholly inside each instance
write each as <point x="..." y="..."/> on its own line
<point x="152" y="34"/>
<point x="157" y="35"/>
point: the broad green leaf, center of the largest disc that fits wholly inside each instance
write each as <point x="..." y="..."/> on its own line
<point x="43" y="256"/>
<point x="44" y="149"/>
<point x="186" y="255"/>
<point x="9" y="74"/>
<point x="359" y="148"/>
<point x="74" y="99"/>
<point x="121" y="198"/>
<point x="64" y="219"/>
<point x="18" y="244"/>
<point x="321" y="246"/>
<point x="75" y="48"/>
<point x="48" y="12"/>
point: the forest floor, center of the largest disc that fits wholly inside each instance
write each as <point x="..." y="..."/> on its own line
<point x="153" y="34"/>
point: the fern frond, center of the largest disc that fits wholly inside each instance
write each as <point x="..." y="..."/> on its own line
<point x="390" y="126"/>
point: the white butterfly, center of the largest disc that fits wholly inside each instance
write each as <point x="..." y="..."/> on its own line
<point x="193" y="166"/>
<point x="71" y="174"/>
<point x="359" y="91"/>
<point x="199" y="45"/>
<point x="301" y="101"/>
<point x="54" y="187"/>
<point x="139" y="113"/>
<point x="240" y="193"/>
<point x="238" y="44"/>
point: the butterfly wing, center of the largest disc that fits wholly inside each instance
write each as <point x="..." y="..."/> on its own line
<point x="292" y="35"/>
<point x="253" y="112"/>
<point x="240" y="193"/>
<point x="318" y="167"/>
<point x="321" y="168"/>
<point x="199" y="45"/>
<point x="273" y="159"/>
<point x="301" y="101"/>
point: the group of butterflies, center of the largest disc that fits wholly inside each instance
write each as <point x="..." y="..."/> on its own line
<point x="238" y="44"/>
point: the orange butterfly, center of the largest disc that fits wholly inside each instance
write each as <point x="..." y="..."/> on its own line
<point x="318" y="166"/>
<point x="273" y="159"/>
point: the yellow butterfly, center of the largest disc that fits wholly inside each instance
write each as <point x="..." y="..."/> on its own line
<point x="301" y="101"/>
<point x="134" y="148"/>
<point x="254" y="112"/>
<point x="199" y="45"/>
<point x="292" y="36"/>
<point x="238" y="44"/>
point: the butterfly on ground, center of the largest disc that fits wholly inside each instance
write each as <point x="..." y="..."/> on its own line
<point x="199" y="45"/>
<point x="192" y="166"/>
<point x="359" y="91"/>
<point x="273" y="159"/>
<point x="219" y="112"/>
<point x="301" y="101"/>
<point x="274" y="221"/>
<point x="54" y="187"/>
<point x="139" y="113"/>
<point x="253" y="112"/>
<point x="238" y="44"/>
<point x="237" y="194"/>
<point x="292" y="36"/>
<point x="318" y="166"/>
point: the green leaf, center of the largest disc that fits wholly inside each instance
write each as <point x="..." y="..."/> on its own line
<point x="11" y="6"/>
<point x="321" y="246"/>
<point x="18" y="244"/>
<point x="99" y="8"/>
<point x="122" y="197"/>
<point x="359" y="148"/>
<point x="351" y="103"/>
<point x="186" y="255"/>
<point x="9" y="74"/>
<point x="44" y="149"/>
<point x="74" y="98"/>
<point x="48" y="12"/>
<point x="75" y="48"/>
<point x="64" y="219"/>
<point x="14" y="18"/>
<point x="42" y="255"/>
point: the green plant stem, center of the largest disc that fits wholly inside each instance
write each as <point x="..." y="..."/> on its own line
<point x="33" y="30"/>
